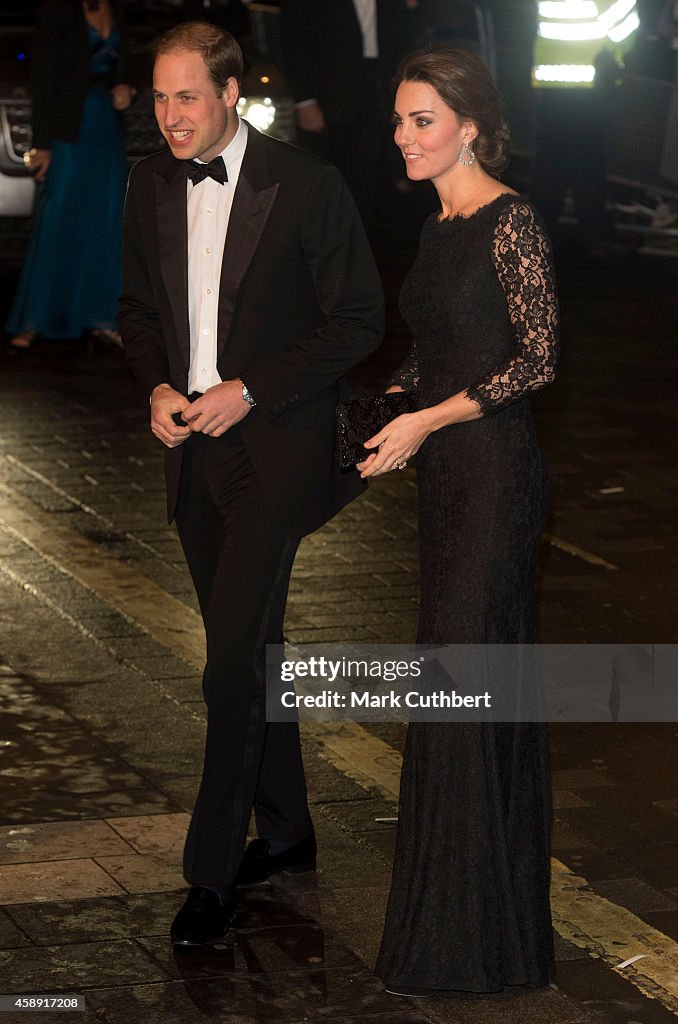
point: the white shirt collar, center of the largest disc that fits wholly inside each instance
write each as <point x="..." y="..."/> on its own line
<point x="233" y="153"/>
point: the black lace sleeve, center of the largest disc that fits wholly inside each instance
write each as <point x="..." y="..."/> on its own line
<point x="407" y="377"/>
<point x="521" y="253"/>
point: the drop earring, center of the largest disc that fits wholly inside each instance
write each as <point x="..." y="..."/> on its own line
<point x="466" y="154"/>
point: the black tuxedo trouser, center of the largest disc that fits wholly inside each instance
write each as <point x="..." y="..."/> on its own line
<point x="240" y="556"/>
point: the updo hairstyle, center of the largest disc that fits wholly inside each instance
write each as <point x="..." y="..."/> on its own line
<point x="463" y="81"/>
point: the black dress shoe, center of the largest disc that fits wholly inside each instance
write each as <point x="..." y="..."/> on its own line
<point x="203" y="919"/>
<point x="259" y="863"/>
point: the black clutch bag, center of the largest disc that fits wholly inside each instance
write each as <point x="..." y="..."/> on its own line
<point x="362" y="418"/>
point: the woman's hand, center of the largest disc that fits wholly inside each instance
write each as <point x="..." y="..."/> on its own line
<point x="397" y="442"/>
<point x="38" y="161"/>
<point x="122" y="96"/>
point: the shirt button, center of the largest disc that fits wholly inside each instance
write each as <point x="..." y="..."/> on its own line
<point x="208" y="252"/>
<point x="209" y="291"/>
<point x="206" y="330"/>
<point x="210" y="210"/>
<point x="203" y="372"/>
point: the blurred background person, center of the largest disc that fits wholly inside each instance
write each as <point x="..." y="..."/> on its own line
<point x="71" y="275"/>
<point x="577" y="55"/>
<point x="339" y="59"/>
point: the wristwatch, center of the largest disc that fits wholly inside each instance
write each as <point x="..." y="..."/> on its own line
<point x="247" y="396"/>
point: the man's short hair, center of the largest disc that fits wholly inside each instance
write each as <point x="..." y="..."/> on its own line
<point x="218" y="49"/>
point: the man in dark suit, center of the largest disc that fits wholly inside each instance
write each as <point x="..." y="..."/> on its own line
<point x="340" y="57"/>
<point x="243" y="356"/>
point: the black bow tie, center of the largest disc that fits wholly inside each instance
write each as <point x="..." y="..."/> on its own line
<point x="214" y="169"/>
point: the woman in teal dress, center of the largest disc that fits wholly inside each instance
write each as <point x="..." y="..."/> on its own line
<point x="71" y="275"/>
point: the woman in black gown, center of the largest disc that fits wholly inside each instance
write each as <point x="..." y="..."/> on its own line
<point x="468" y="908"/>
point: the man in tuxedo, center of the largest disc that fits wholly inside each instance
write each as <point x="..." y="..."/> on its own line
<point x="339" y="59"/>
<point x="249" y="291"/>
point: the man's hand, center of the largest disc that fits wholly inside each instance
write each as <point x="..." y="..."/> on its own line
<point x="220" y="408"/>
<point x="165" y="401"/>
<point x="310" y="117"/>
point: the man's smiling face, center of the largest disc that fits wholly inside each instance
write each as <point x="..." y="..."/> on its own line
<point x="195" y="120"/>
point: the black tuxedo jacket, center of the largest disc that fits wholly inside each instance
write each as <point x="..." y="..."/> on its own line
<point x="323" y="51"/>
<point x="300" y="303"/>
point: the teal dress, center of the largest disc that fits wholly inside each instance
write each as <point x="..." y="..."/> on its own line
<point x="70" y="280"/>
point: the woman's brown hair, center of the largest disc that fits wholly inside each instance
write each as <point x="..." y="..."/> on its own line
<point x="463" y="81"/>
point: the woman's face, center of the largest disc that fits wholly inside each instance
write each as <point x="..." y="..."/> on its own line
<point x="428" y="133"/>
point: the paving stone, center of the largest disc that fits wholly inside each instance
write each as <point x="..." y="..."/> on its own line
<point x="73" y="968"/>
<point x="55" y="841"/>
<point x="629" y="1011"/>
<point x="153" y="833"/>
<point x="141" y="873"/>
<point x="565" y="950"/>
<point x="11" y="936"/>
<point x="563" y="799"/>
<point x="653" y="862"/>
<point x="54" y="880"/>
<point x="361" y="815"/>
<point x="185" y="691"/>
<point x="545" y="1006"/>
<point x="73" y="922"/>
<point x="343" y="911"/>
<point x="595" y="864"/>
<point x="636" y="895"/>
<point x="237" y="1000"/>
<point x="266" y="950"/>
<point x="563" y="837"/>
<point x="325" y="782"/>
<point x="27" y="804"/>
<point x="590" y="979"/>
<point x="579" y="778"/>
<point x="665" y="921"/>
<point x="182" y="789"/>
<point x="268" y="906"/>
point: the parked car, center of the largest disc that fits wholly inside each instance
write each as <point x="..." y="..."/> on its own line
<point x="16" y="185"/>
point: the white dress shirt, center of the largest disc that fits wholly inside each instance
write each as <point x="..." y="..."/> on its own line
<point x="209" y="208"/>
<point x="366" y="11"/>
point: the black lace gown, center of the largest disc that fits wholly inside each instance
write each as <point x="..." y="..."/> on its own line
<point x="468" y="908"/>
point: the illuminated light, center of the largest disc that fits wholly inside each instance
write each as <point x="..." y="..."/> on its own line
<point x="577" y="32"/>
<point x="616" y="13"/>
<point x="21" y="56"/>
<point x="568" y="9"/>
<point x="260" y="115"/>
<point x="565" y="72"/>
<point x="623" y="31"/>
<point x="617" y="22"/>
<point x="265" y="79"/>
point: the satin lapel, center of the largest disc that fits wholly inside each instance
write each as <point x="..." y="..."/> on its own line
<point x="170" y="196"/>
<point x="246" y="224"/>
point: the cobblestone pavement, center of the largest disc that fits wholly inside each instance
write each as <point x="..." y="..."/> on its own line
<point x="102" y="721"/>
